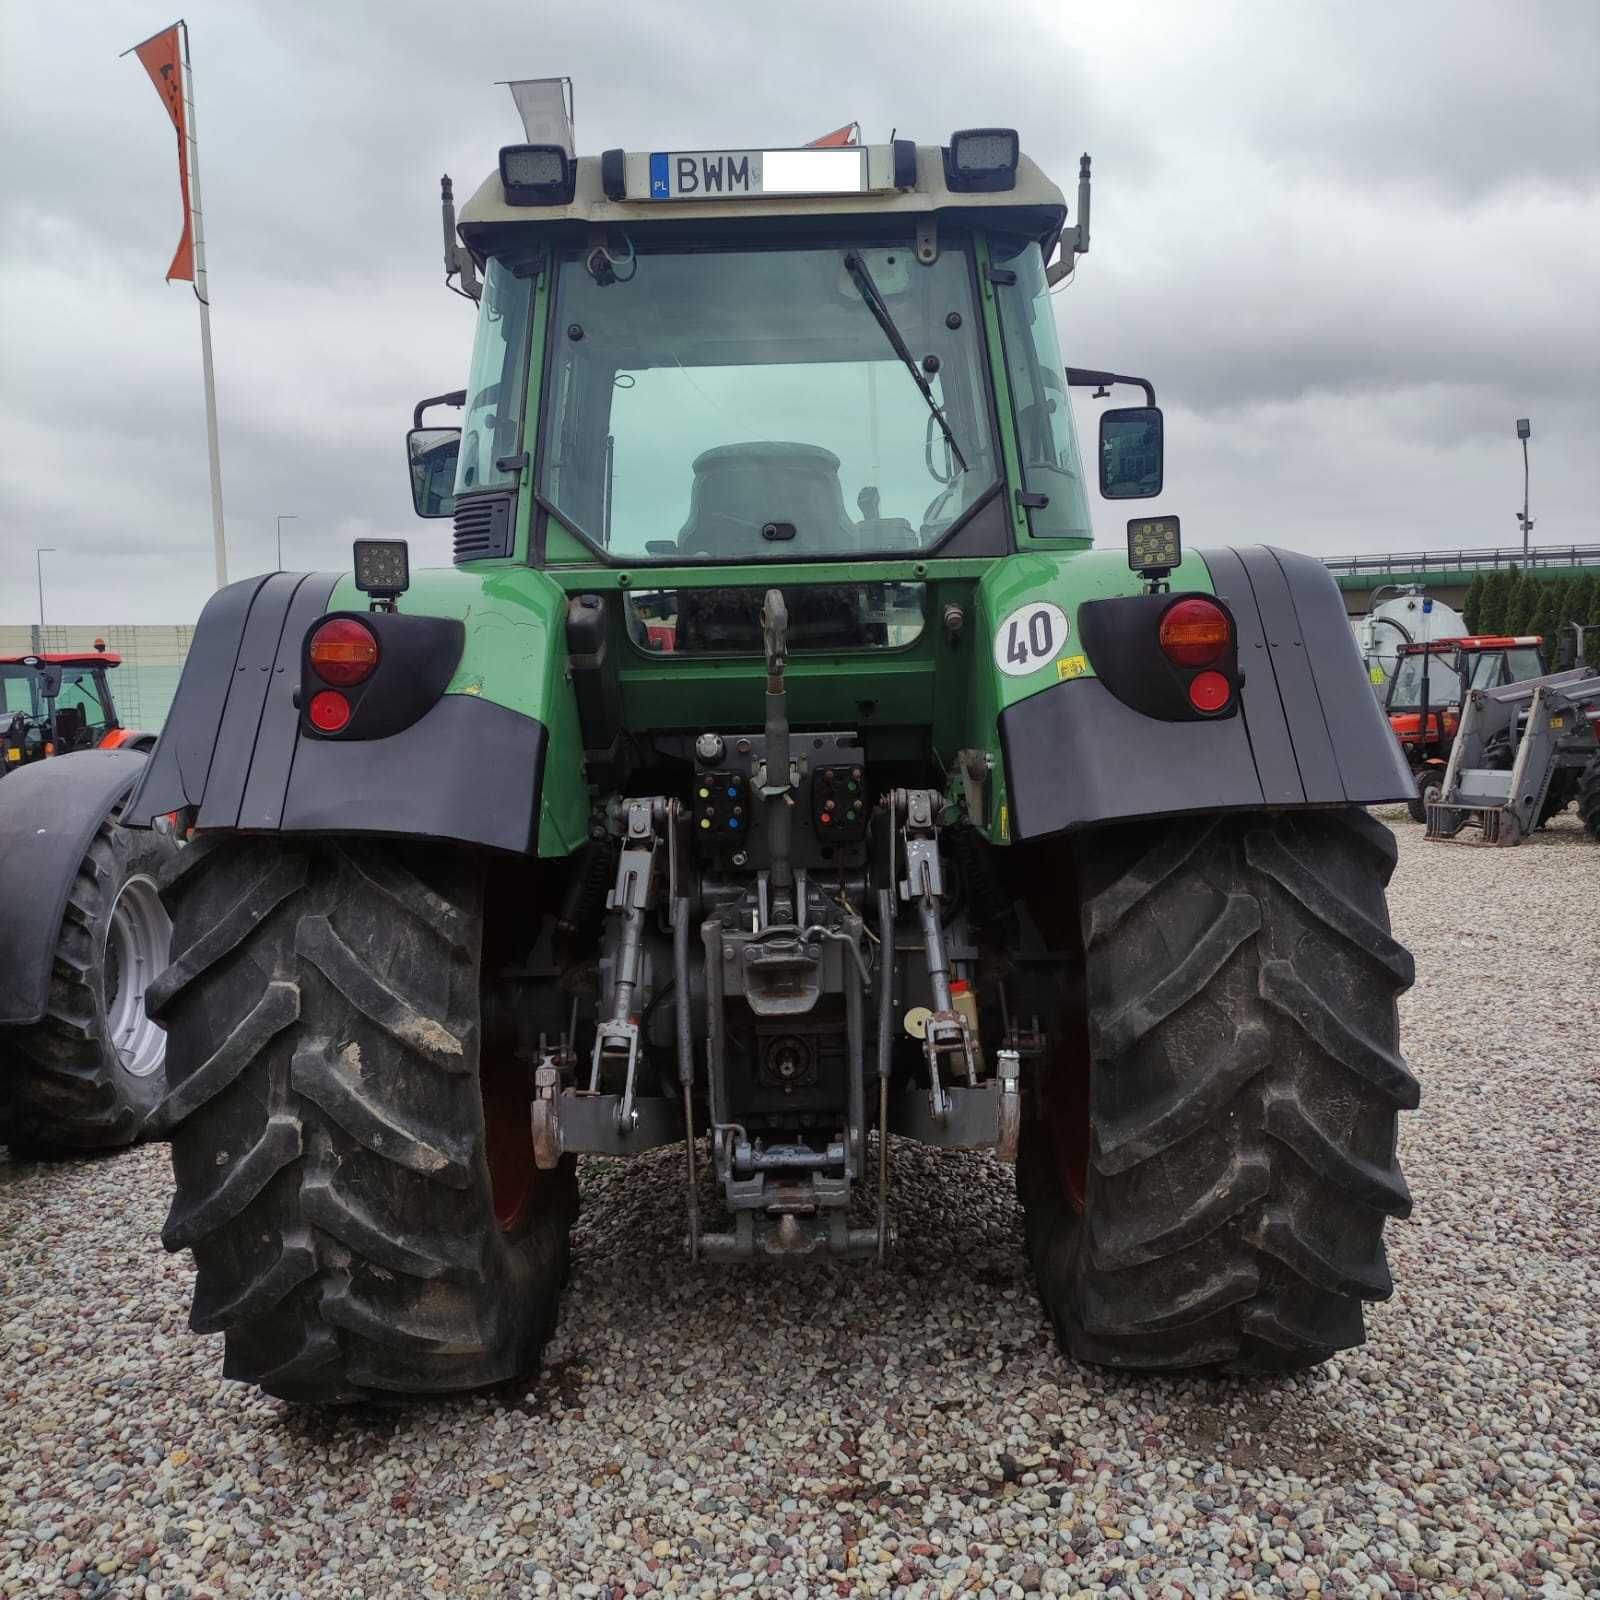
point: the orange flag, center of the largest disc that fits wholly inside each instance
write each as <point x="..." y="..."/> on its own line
<point x="163" y="60"/>
<point x="849" y="134"/>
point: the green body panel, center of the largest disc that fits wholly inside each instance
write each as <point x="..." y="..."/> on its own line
<point x="944" y="692"/>
<point x="515" y="655"/>
<point x="1066" y="578"/>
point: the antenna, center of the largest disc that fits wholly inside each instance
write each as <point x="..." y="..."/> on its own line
<point x="458" y="260"/>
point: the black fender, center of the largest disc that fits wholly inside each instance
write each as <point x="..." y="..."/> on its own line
<point x="1309" y="731"/>
<point x="235" y="755"/>
<point x="49" y="813"/>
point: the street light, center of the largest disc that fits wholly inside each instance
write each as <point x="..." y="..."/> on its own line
<point x="1523" y="431"/>
<point x="40" y="551"/>
<point x="283" y="517"/>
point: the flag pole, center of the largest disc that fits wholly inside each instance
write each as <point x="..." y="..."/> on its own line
<point x="202" y="293"/>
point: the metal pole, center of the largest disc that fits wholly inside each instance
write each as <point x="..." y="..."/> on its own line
<point x="1525" y="523"/>
<point x="283" y="517"/>
<point x="202" y="293"/>
<point x="40" y="551"/>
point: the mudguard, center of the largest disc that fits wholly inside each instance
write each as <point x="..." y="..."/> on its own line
<point x="234" y="751"/>
<point x="1309" y="732"/>
<point x="49" y="812"/>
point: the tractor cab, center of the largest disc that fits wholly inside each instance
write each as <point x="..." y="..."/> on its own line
<point x="55" y="703"/>
<point x="1431" y="680"/>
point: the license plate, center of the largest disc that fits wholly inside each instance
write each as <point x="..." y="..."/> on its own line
<point x="742" y="174"/>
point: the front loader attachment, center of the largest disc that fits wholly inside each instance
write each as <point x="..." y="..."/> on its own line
<point x="1513" y="755"/>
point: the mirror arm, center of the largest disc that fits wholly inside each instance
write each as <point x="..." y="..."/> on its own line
<point x="456" y="397"/>
<point x="1090" y="378"/>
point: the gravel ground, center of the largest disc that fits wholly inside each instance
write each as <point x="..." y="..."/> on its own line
<point x="839" y="1431"/>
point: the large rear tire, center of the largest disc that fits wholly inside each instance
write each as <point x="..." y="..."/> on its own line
<point x="1243" y="1082"/>
<point x="88" y="1074"/>
<point x="1589" y="798"/>
<point x="357" y="1235"/>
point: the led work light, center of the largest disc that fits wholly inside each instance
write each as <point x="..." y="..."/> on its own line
<point x="537" y="175"/>
<point x="1154" y="547"/>
<point x="382" y="568"/>
<point x="982" y="159"/>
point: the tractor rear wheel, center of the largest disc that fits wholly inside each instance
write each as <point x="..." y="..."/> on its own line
<point x="1589" y="797"/>
<point x="1226" y="1208"/>
<point x="88" y="1074"/>
<point x="1430" y="785"/>
<point x="355" y="1180"/>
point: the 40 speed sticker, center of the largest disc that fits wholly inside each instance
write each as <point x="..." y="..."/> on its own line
<point x="1030" y="638"/>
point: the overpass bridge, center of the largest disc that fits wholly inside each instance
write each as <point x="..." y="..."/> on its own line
<point x="1448" y="573"/>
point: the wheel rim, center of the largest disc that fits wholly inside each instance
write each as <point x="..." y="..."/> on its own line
<point x="1068" y="1107"/>
<point x="508" y="1138"/>
<point x="138" y="941"/>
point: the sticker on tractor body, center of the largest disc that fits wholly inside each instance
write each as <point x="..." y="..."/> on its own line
<point x="1030" y="638"/>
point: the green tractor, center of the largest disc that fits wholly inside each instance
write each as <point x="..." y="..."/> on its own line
<point x="777" y="772"/>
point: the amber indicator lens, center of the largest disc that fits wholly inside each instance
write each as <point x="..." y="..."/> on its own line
<point x="1194" y="633"/>
<point x="343" y="651"/>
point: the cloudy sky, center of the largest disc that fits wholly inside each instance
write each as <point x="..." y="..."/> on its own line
<point x="1350" y="243"/>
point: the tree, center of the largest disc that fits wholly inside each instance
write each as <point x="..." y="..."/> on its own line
<point x="1473" y="609"/>
<point x="1496" y="592"/>
<point x="1522" y="605"/>
<point x="1584" y="599"/>
<point x="1547" y="619"/>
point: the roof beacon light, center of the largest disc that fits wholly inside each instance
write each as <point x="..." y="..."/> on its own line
<point x="382" y="569"/>
<point x="983" y="159"/>
<point x="1154" y="545"/>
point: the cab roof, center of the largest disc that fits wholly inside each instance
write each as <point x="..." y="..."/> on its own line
<point x="1037" y="205"/>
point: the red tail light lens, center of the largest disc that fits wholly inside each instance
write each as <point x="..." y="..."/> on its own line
<point x="1194" y="633"/>
<point x="1209" y="691"/>
<point x="343" y="651"/>
<point x="329" y="711"/>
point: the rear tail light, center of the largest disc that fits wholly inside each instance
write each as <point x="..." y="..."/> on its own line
<point x="1209" y="691"/>
<point x="329" y="711"/>
<point x="1195" y="633"/>
<point x="344" y="652"/>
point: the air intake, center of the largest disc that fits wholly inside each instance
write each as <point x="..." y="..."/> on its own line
<point x="483" y="526"/>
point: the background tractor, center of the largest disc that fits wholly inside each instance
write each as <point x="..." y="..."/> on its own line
<point x="777" y="771"/>
<point x="1429" y="684"/>
<point x="82" y="927"/>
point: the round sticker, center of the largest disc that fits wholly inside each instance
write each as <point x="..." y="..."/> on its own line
<point x="1030" y="638"/>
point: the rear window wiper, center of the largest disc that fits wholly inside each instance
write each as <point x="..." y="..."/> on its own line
<point x="856" y="265"/>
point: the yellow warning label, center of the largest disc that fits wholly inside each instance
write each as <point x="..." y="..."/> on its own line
<point x="1005" y="823"/>
<point x="1072" y="666"/>
<point x="1376" y="674"/>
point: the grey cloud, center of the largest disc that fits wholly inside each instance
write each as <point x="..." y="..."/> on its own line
<point x="1350" y="243"/>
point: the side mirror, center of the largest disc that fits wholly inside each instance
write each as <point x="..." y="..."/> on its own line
<point x="431" y="453"/>
<point x="1131" y="453"/>
<point x="49" y="682"/>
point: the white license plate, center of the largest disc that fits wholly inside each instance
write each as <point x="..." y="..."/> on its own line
<point x="741" y="174"/>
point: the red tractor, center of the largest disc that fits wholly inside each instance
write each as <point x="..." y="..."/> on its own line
<point x="81" y="923"/>
<point x="1426" y="692"/>
<point x="54" y="703"/>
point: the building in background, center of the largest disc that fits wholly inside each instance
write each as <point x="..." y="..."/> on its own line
<point x="152" y="657"/>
